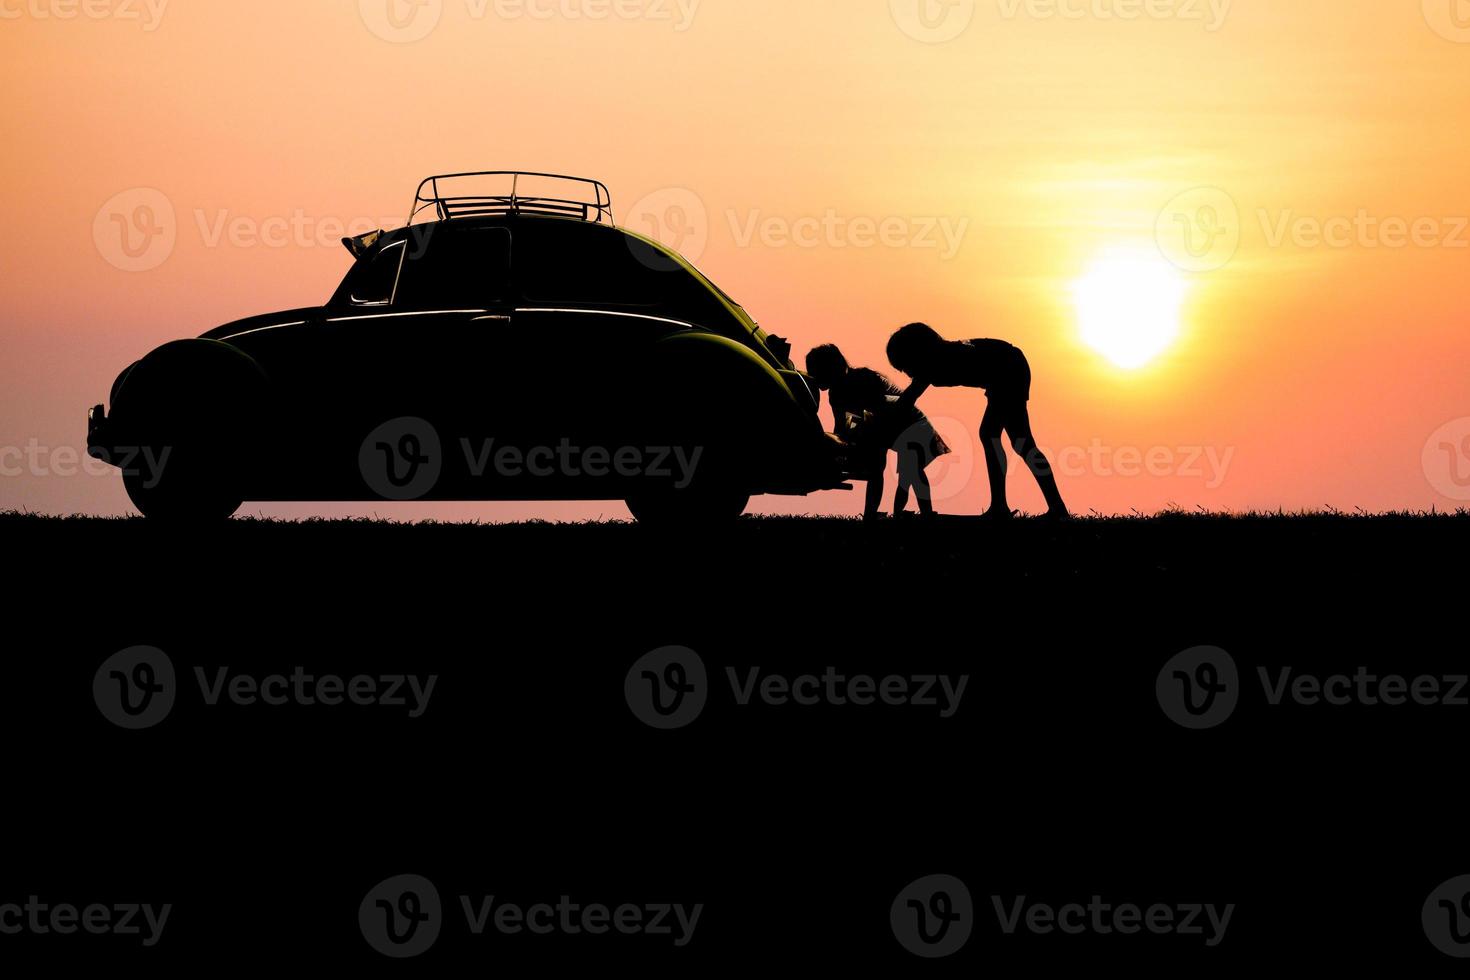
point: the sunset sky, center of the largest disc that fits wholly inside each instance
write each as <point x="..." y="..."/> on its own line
<point x="1282" y="182"/>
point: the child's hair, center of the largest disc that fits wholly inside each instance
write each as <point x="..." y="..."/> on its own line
<point x="826" y="363"/>
<point x="907" y="349"/>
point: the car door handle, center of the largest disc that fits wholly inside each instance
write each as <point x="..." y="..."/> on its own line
<point x="492" y="319"/>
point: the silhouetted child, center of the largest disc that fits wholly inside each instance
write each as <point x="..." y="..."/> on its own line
<point x="866" y="414"/>
<point x="1002" y="370"/>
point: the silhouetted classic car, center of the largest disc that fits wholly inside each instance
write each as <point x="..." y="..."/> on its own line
<point x="508" y="343"/>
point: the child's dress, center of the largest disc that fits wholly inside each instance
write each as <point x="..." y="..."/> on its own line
<point x="864" y="408"/>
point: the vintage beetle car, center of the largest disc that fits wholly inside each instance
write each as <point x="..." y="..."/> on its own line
<point x="517" y="346"/>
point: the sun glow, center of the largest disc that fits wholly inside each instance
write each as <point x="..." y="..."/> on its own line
<point x="1128" y="303"/>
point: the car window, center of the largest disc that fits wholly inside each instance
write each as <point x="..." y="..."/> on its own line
<point x="455" y="267"/>
<point x="589" y="264"/>
<point x="373" y="279"/>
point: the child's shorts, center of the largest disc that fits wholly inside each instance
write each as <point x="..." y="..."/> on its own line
<point x="1014" y="383"/>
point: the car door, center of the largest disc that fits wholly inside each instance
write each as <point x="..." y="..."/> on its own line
<point x="420" y="372"/>
<point x="591" y="305"/>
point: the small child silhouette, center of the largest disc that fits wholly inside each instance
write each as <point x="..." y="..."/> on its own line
<point x="866" y="414"/>
<point x="1002" y="370"/>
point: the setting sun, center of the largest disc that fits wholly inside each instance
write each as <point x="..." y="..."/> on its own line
<point x="1128" y="304"/>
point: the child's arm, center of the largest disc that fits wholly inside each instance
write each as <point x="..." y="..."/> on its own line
<point x="839" y="419"/>
<point x="911" y="396"/>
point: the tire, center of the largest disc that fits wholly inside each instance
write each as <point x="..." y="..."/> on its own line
<point x="188" y="488"/>
<point x="682" y="508"/>
<point x="193" y="405"/>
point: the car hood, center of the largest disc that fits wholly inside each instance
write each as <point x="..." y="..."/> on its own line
<point x="227" y="330"/>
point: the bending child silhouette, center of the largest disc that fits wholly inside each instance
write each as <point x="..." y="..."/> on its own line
<point x="1003" y="371"/>
<point x="867" y="415"/>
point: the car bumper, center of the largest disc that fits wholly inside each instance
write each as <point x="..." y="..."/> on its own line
<point x="99" y="434"/>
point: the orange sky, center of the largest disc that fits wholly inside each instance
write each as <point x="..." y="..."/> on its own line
<point x="1040" y="135"/>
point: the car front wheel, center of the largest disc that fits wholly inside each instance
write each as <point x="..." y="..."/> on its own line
<point x="184" y="489"/>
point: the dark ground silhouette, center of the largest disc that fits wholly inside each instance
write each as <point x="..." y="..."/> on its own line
<point x="1058" y="777"/>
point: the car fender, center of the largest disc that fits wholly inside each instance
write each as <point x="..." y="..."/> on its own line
<point x="717" y="392"/>
<point x="741" y="361"/>
<point x="187" y="386"/>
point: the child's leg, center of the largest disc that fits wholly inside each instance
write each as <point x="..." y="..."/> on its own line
<point x="1018" y="427"/>
<point x="991" y="427"/>
<point x="906" y="478"/>
<point x="874" y="503"/>
<point x="911" y="476"/>
<point x="922" y="493"/>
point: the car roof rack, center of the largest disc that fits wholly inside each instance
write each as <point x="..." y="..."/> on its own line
<point x="449" y="202"/>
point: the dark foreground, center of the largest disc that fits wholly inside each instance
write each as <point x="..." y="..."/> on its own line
<point x="1087" y="827"/>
